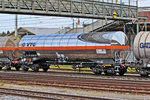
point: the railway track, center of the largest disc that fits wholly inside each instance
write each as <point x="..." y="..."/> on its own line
<point x="74" y="70"/>
<point x="112" y="84"/>
<point x="81" y="75"/>
<point x="80" y="70"/>
<point x="46" y="95"/>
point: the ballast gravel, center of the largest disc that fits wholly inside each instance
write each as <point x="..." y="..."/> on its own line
<point x="112" y="95"/>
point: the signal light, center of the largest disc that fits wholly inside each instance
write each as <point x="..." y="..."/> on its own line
<point x="122" y="65"/>
<point x="30" y="60"/>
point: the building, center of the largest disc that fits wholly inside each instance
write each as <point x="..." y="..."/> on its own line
<point x="38" y="31"/>
<point x="144" y="12"/>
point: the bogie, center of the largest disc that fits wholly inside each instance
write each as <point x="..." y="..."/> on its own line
<point x="111" y="71"/>
<point x="143" y="72"/>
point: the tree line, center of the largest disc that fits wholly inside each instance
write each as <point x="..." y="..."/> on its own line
<point x="4" y="33"/>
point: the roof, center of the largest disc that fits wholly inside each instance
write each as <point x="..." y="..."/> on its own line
<point x="143" y="9"/>
<point x="37" y="31"/>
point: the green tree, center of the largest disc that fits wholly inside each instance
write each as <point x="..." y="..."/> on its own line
<point x="8" y="32"/>
<point x="3" y="34"/>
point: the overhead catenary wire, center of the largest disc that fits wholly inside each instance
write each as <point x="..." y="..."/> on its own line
<point x="37" y="21"/>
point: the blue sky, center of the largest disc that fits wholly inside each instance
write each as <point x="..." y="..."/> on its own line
<point x="144" y="3"/>
<point x="8" y="21"/>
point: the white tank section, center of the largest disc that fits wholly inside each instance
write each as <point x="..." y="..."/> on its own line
<point x="141" y="46"/>
<point x="3" y="43"/>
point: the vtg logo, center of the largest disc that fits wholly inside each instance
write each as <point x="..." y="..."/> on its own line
<point x="144" y="45"/>
<point x="28" y="44"/>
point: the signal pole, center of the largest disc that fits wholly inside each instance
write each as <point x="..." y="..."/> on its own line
<point x="137" y="15"/>
<point x="16" y="26"/>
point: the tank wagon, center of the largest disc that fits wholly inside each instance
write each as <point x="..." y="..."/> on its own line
<point x="141" y="49"/>
<point x="8" y="52"/>
<point x="102" y="52"/>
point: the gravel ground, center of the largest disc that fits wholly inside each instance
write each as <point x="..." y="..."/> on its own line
<point x="116" y="96"/>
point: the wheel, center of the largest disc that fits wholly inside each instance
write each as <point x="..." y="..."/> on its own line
<point x="97" y="73"/>
<point x="17" y="68"/>
<point x="45" y="69"/>
<point x="122" y="72"/>
<point x="8" y="68"/>
<point x="105" y="72"/>
<point x="24" y="68"/>
<point x="96" y="70"/>
<point x="111" y="71"/>
<point x="74" y="66"/>
<point x="35" y="67"/>
<point x="143" y="72"/>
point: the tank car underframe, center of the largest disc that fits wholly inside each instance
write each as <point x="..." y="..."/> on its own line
<point x="31" y="59"/>
<point x="143" y="66"/>
<point x="5" y="62"/>
<point x="108" y="65"/>
<point x="34" y="63"/>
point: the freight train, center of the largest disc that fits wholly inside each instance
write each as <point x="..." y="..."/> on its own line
<point x="100" y="51"/>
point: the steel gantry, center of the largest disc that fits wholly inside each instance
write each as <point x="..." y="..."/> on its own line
<point x="70" y="8"/>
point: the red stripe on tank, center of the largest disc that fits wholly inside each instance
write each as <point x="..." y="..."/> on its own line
<point x="8" y="48"/>
<point x="65" y="48"/>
